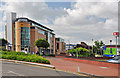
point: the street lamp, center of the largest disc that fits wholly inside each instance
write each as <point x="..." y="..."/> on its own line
<point x="92" y="45"/>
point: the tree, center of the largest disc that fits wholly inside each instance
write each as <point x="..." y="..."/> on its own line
<point x="3" y="42"/>
<point x="41" y="43"/>
<point x="98" y="46"/>
<point x="81" y="51"/>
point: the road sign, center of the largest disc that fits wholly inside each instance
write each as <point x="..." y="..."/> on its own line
<point x="104" y="47"/>
<point x="116" y="34"/>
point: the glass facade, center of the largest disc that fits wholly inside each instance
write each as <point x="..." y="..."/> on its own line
<point x="32" y="24"/>
<point x="40" y="31"/>
<point x="25" y="37"/>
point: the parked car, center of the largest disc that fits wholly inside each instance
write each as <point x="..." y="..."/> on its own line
<point x="24" y="51"/>
<point x="114" y="60"/>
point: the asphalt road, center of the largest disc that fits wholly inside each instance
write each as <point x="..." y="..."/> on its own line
<point x="14" y="69"/>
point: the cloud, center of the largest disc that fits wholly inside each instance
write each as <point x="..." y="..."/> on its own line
<point x="38" y="11"/>
<point x="87" y="20"/>
<point x="82" y="22"/>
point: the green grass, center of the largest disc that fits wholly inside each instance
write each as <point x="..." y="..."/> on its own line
<point x="23" y="57"/>
<point x="101" y="60"/>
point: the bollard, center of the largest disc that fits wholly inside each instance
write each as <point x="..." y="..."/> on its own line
<point x="78" y="69"/>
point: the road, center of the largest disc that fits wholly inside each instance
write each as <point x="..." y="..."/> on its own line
<point x="14" y="69"/>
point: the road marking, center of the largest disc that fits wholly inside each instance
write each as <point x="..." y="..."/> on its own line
<point x="15" y="73"/>
<point x="104" y="67"/>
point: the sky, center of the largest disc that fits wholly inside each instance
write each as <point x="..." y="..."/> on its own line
<point x="73" y="21"/>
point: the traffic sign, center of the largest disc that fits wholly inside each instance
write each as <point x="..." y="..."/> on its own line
<point x="104" y="47"/>
<point x="116" y="34"/>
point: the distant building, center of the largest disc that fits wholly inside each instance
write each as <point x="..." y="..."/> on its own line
<point x="83" y="45"/>
<point x="60" y="46"/>
<point x="70" y="46"/>
<point x="111" y="50"/>
<point x="112" y="46"/>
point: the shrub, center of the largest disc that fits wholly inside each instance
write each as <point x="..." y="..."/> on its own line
<point x="23" y="57"/>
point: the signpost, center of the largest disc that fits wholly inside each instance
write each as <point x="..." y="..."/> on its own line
<point x="110" y="45"/>
<point x="77" y="53"/>
<point x="116" y="34"/>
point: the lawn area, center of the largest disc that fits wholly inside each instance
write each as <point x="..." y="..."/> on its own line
<point x="20" y="56"/>
<point x="101" y="60"/>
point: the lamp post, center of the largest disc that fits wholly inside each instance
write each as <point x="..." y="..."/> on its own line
<point x="116" y="45"/>
<point x="92" y="45"/>
<point x="69" y="44"/>
<point x="110" y="45"/>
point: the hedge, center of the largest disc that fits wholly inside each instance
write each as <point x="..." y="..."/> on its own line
<point x="23" y="57"/>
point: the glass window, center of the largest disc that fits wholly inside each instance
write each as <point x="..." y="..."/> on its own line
<point x="25" y="36"/>
<point x="41" y="31"/>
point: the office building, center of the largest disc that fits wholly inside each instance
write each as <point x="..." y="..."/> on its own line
<point x="22" y="33"/>
<point x="60" y="46"/>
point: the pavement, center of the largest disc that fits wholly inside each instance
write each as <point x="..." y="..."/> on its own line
<point x="31" y="63"/>
<point x="71" y="66"/>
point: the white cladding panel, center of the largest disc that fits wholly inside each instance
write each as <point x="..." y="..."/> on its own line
<point x="10" y="19"/>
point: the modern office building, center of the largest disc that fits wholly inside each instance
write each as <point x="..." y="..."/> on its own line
<point x="60" y="46"/>
<point x="22" y="33"/>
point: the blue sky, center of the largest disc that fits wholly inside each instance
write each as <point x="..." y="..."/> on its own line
<point x="59" y="4"/>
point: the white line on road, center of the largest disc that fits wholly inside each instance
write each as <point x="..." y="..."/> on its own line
<point x="104" y="67"/>
<point x="15" y="73"/>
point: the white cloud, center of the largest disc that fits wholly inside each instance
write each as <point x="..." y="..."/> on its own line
<point x="38" y="11"/>
<point x="97" y="20"/>
<point x="82" y="22"/>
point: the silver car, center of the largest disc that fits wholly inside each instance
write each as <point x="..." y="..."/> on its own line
<point x="114" y="60"/>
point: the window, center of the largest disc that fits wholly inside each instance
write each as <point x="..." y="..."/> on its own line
<point x="41" y="31"/>
<point x="57" y="45"/>
<point x="51" y="35"/>
<point x="25" y="36"/>
<point x="22" y="24"/>
<point x="52" y="45"/>
<point x="32" y="27"/>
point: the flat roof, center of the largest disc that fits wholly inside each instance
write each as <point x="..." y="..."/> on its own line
<point x="34" y="23"/>
<point x="112" y="45"/>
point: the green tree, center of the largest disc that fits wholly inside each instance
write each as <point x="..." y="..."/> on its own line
<point x="41" y="43"/>
<point x="81" y="51"/>
<point x="3" y="42"/>
<point x="98" y="46"/>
